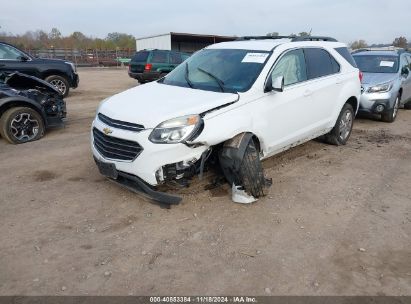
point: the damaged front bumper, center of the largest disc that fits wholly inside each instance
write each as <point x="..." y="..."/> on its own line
<point x="153" y="165"/>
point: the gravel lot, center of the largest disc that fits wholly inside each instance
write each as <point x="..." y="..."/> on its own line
<point x="337" y="220"/>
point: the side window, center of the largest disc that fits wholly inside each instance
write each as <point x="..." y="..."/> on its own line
<point x="292" y="67"/>
<point x="184" y="56"/>
<point x="335" y="64"/>
<point x="409" y="61"/>
<point x="319" y="63"/>
<point x="9" y="53"/>
<point x="175" y="58"/>
<point x="159" y="57"/>
<point x="343" y="51"/>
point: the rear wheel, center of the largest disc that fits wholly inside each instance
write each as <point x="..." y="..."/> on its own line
<point x="60" y="83"/>
<point x="342" y="130"/>
<point x="21" y="124"/>
<point x="391" y="114"/>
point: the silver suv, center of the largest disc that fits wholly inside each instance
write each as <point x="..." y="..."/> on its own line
<point x="386" y="82"/>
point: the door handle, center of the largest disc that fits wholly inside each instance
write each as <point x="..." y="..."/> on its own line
<point x="307" y="93"/>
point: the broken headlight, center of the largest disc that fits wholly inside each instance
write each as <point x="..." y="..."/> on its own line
<point x="176" y="130"/>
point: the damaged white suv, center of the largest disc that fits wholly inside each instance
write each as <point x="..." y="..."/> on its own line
<point x="233" y="103"/>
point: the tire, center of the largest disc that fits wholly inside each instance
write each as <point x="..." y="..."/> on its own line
<point x="60" y="83"/>
<point x="390" y="115"/>
<point x="251" y="173"/>
<point x="20" y="125"/>
<point x="341" y="132"/>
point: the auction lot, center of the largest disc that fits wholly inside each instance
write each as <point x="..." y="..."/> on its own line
<point x="337" y="220"/>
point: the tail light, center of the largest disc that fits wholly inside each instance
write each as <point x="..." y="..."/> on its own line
<point x="361" y="75"/>
<point x="148" y="67"/>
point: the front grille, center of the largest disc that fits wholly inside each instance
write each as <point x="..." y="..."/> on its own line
<point x="115" y="148"/>
<point x="120" y="124"/>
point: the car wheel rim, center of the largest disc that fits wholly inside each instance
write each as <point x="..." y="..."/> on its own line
<point x="60" y="85"/>
<point x="396" y="106"/>
<point x="24" y="127"/>
<point x="345" y="125"/>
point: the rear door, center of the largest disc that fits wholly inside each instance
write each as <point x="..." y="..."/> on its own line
<point x="160" y="62"/>
<point x="325" y="84"/>
<point x="11" y="61"/>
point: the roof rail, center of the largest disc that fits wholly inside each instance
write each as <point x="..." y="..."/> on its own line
<point x="314" y="38"/>
<point x="293" y="38"/>
<point x="264" y="37"/>
<point x="380" y="49"/>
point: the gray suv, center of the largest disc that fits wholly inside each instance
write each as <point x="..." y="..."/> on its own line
<point x="386" y="83"/>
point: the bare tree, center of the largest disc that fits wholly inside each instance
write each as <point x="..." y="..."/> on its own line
<point x="358" y="44"/>
<point x="400" y="42"/>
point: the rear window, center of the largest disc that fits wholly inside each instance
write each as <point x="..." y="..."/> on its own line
<point x="175" y="58"/>
<point x="377" y="63"/>
<point x="319" y="63"/>
<point x="140" y="56"/>
<point x="343" y="51"/>
<point x="159" y="57"/>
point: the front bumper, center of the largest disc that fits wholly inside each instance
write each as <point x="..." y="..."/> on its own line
<point x="370" y="101"/>
<point x="148" y="165"/>
<point x="75" y="79"/>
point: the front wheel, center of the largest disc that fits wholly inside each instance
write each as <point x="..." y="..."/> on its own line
<point x="60" y="83"/>
<point x="343" y="127"/>
<point x="391" y="114"/>
<point x="21" y="124"/>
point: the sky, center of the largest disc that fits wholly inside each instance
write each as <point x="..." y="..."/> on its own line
<point x="375" y="21"/>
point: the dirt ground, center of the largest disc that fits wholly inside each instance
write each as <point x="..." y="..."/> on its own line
<point x="337" y="220"/>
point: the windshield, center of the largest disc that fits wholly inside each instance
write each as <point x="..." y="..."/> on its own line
<point x="377" y="63"/>
<point x="219" y="70"/>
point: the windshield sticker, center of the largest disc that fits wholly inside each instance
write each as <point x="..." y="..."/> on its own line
<point x="255" y="57"/>
<point x="387" y="64"/>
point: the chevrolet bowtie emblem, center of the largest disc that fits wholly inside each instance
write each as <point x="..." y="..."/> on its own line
<point x="107" y="131"/>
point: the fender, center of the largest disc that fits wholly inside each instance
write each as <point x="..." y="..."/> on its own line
<point x="24" y="101"/>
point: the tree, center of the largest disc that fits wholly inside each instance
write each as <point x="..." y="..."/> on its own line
<point x="121" y="40"/>
<point x="358" y="44"/>
<point x="304" y="34"/>
<point x="400" y="42"/>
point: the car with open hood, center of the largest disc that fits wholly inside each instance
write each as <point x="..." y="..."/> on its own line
<point x="28" y="106"/>
<point x="233" y="103"/>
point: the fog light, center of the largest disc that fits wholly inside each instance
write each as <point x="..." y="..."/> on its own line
<point x="379" y="108"/>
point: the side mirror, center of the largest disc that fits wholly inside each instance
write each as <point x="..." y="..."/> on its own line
<point x="278" y="84"/>
<point x="23" y="58"/>
<point x="275" y="85"/>
<point x="405" y="71"/>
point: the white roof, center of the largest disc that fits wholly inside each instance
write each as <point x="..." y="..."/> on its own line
<point x="270" y="44"/>
<point x="257" y="45"/>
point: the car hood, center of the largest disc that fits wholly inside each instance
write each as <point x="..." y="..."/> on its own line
<point x="378" y="78"/>
<point x="151" y="104"/>
<point x="20" y="81"/>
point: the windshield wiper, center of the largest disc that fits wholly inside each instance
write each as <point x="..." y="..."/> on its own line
<point x="186" y="77"/>
<point x="218" y="80"/>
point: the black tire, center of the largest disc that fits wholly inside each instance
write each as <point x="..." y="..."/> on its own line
<point x="391" y="114"/>
<point x="251" y="173"/>
<point x="341" y="132"/>
<point x="60" y="83"/>
<point x="20" y="125"/>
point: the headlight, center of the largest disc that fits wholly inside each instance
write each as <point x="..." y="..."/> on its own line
<point x="381" y="88"/>
<point x="71" y="64"/>
<point x="176" y="130"/>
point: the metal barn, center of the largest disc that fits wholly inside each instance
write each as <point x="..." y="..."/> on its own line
<point x="183" y="42"/>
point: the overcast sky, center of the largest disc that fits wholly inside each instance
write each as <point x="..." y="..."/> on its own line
<point x="376" y="21"/>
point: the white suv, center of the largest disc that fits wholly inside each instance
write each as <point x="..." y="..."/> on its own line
<point x="233" y="103"/>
